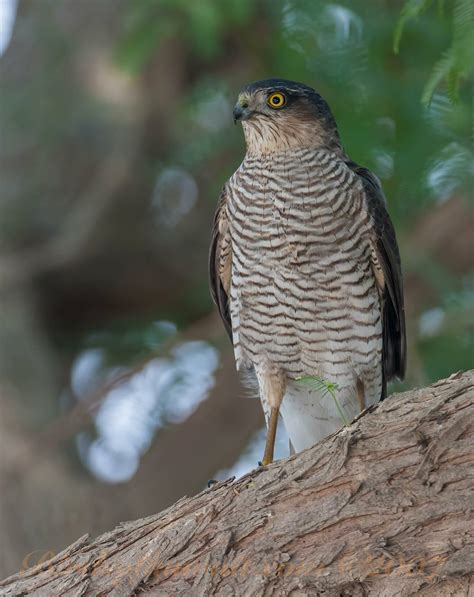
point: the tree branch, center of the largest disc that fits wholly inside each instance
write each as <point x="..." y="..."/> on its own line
<point x="383" y="506"/>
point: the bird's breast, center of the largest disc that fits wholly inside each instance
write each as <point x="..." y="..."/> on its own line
<point x="294" y="211"/>
<point x="303" y="295"/>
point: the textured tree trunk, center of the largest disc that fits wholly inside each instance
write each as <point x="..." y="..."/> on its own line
<point x="383" y="507"/>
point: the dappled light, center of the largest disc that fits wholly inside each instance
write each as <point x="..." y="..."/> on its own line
<point x="174" y="196"/>
<point x="165" y="391"/>
<point x="8" y="10"/>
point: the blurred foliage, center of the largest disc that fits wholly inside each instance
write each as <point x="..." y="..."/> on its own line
<point x="450" y="346"/>
<point x="150" y="22"/>
<point x="131" y="341"/>
<point x="457" y="62"/>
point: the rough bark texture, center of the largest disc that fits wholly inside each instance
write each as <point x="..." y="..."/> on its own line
<point x="383" y="507"/>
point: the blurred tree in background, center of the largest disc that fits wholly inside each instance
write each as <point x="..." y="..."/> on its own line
<point x="116" y="136"/>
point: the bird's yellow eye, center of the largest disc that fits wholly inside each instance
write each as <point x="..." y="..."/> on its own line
<point x="276" y="100"/>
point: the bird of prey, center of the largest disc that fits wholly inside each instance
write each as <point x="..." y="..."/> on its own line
<point x="305" y="268"/>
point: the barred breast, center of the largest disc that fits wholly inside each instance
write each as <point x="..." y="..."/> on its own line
<point x="303" y="294"/>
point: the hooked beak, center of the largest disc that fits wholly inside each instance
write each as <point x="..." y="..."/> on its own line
<point x="241" y="112"/>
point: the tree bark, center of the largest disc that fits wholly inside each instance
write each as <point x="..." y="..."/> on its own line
<point x="383" y="507"/>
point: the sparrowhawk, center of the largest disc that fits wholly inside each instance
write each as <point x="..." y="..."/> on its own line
<point x="305" y="267"/>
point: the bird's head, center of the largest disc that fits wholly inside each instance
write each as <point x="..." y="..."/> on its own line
<point x="277" y="115"/>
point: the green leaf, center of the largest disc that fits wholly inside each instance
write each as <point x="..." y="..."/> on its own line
<point x="457" y="63"/>
<point x="440" y="71"/>
<point x="145" y="25"/>
<point x="411" y="10"/>
<point x="319" y="384"/>
<point x="463" y="35"/>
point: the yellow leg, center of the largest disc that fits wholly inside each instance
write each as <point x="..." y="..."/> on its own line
<point x="271" y="434"/>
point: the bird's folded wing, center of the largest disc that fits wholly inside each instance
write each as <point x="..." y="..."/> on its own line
<point x="220" y="261"/>
<point x="388" y="273"/>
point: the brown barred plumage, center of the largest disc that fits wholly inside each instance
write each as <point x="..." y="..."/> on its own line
<point x="304" y="266"/>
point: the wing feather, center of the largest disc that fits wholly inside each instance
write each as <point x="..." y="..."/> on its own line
<point x="388" y="274"/>
<point x="220" y="262"/>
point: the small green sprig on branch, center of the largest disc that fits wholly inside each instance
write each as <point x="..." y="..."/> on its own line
<point x="326" y="387"/>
